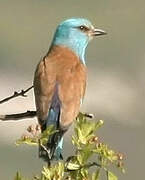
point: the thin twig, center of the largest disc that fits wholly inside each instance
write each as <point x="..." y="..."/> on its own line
<point x="48" y="153"/>
<point x="16" y="94"/>
<point x="19" y="116"/>
<point x="91" y="116"/>
<point x="24" y="115"/>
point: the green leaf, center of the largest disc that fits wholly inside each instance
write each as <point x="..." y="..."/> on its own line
<point x="111" y="176"/>
<point x="55" y="172"/>
<point x="85" y="129"/>
<point x="72" y="166"/>
<point x="19" y="177"/>
<point x="95" y="176"/>
<point x="84" y="154"/>
<point x="46" y="173"/>
<point x="84" y="173"/>
<point x="27" y="140"/>
<point x="45" y="135"/>
<point x="60" y="169"/>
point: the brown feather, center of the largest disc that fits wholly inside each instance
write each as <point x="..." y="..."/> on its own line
<point x="60" y="66"/>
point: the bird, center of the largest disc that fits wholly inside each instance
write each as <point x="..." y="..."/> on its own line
<point x="60" y="81"/>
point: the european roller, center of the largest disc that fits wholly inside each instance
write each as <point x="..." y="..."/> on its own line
<point x="60" y="81"/>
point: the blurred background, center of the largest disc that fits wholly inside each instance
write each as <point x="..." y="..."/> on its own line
<point x="116" y="83"/>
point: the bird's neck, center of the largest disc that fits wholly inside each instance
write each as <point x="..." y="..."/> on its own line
<point x="77" y="46"/>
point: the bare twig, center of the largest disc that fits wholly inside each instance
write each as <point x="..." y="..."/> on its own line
<point x="25" y="115"/>
<point x="16" y="94"/>
<point x="19" y="116"/>
<point x="91" y="116"/>
<point x="47" y="151"/>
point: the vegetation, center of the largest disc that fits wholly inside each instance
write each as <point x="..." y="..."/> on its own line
<point x="91" y="158"/>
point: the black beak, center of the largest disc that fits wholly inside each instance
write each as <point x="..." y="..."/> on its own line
<point x="98" y="32"/>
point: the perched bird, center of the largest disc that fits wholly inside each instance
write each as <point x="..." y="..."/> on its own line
<point x="60" y="81"/>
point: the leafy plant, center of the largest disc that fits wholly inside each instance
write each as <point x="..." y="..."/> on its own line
<point x="87" y="147"/>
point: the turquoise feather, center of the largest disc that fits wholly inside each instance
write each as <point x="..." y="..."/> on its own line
<point x="69" y="35"/>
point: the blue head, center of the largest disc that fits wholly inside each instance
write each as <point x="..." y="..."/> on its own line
<point x="75" y="33"/>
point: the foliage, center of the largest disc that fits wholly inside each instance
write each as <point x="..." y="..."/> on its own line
<point x="91" y="157"/>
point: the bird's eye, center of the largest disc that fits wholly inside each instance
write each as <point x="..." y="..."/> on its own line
<point x="83" y="28"/>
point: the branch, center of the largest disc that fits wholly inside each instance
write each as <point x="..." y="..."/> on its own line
<point x="19" y="116"/>
<point x="91" y="116"/>
<point x="16" y="94"/>
<point x="26" y="115"/>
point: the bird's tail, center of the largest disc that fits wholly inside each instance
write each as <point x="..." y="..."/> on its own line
<point x="53" y="148"/>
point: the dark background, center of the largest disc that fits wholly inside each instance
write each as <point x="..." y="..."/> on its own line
<point x="116" y="85"/>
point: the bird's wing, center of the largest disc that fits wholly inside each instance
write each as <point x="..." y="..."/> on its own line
<point x="59" y="76"/>
<point x="44" y="84"/>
